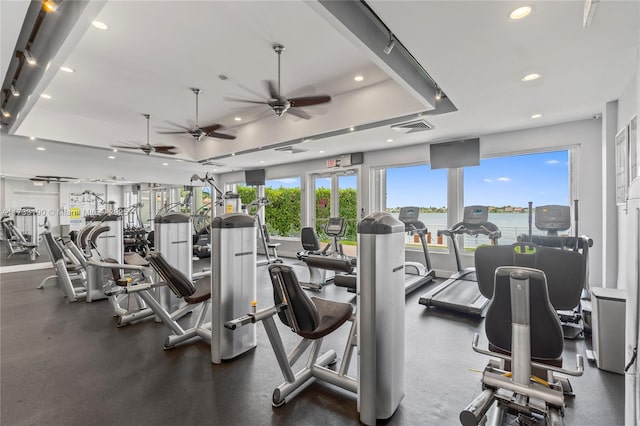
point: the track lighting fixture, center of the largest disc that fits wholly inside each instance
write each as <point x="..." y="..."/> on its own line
<point x="14" y="91"/>
<point x="438" y="93"/>
<point x="4" y="112"/>
<point x="50" y="5"/>
<point x="31" y="60"/>
<point x="389" y="47"/>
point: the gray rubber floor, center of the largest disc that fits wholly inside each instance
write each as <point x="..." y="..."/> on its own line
<point x="68" y="364"/>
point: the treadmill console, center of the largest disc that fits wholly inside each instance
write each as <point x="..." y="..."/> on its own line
<point x="476" y="215"/>
<point x="409" y="214"/>
<point x="336" y="227"/>
<point x="553" y="218"/>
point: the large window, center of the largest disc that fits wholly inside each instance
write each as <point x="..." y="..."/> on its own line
<point x="422" y="187"/>
<point x="282" y="214"/>
<point x="507" y="184"/>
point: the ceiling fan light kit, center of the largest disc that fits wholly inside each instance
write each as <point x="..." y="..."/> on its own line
<point x="196" y="131"/>
<point x="280" y="104"/>
<point x="148" y="148"/>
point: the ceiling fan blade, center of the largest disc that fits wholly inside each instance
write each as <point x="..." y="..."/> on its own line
<point x="253" y="92"/>
<point x="211" y="128"/>
<point x="181" y="132"/>
<point x="125" y="147"/>
<point x="271" y="87"/>
<point x="298" y="113"/>
<point x="220" y="136"/>
<point x="247" y="101"/>
<point x="174" y="124"/>
<point x="166" y="152"/>
<point x="309" y="100"/>
<point x="56" y="177"/>
<point x="306" y="90"/>
<point x="163" y="147"/>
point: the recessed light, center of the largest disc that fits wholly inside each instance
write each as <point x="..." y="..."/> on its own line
<point x="111" y="157"/>
<point x="41" y="148"/>
<point x="32" y="138"/>
<point x="233" y="154"/>
<point x="67" y="69"/>
<point x="165" y="164"/>
<point x="215" y="170"/>
<point x="115" y="150"/>
<point x="351" y="129"/>
<point x="536" y="116"/>
<point x="237" y="118"/>
<point x="520" y="13"/>
<point x="45" y="96"/>
<point x="531" y="77"/>
<point x="100" y="25"/>
<point x="261" y="161"/>
<point x="389" y="140"/>
<point x="358" y="78"/>
<point x="321" y="152"/>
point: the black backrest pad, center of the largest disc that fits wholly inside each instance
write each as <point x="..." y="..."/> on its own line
<point x="54" y="248"/>
<point x="309" y="239"/>
<point x="298" y="303"/>
<point x="178" y="282"/>
<point x="546" y="331"/>
<point x="565" y="270"/>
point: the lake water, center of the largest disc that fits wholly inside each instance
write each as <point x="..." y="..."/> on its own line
<point x="510" y="224"/>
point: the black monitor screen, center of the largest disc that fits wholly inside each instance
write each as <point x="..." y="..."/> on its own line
<point x="254" y="177"/>
<point x="476" y="215"/>
<point x="553" y="218"/>
<point x="409" y="214"/>
<point x="461" y="153"/>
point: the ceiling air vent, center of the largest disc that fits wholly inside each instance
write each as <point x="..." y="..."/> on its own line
<point x="412" y="126"/>
<point x="290" y="149"/>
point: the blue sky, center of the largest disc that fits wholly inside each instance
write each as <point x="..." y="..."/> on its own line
<point x="542" y="178"/>
<point x="515" y="180"/>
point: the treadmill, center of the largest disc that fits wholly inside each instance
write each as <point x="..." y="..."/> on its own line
<point x="416" y="274"/>
<point x="460" y="292"/>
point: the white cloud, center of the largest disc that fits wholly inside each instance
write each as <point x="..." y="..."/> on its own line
<point x="552" y="162"/>
<point x="287" y="180"/>
<point x="504" y="179"/>
<point x="487" y="180"/>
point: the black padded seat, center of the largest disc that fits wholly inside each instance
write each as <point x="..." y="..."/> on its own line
<point x="203" y="291"/>
<point x="346" y="281"/>
<point x="313" y="318"/>
<point x="545" y="331"/>
<point x="133" y="258"/>
<point x="330" y="262"/>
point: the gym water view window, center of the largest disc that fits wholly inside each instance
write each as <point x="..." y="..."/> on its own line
<point x="507" y="184"/>
<point x="421" y="187"/>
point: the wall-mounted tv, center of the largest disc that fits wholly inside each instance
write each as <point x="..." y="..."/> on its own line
<point x="254" y="177"/>
<point x="460" y="153"/>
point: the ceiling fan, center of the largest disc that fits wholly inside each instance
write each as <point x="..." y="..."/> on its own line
<point x="280" y="104"/>
<point x="56" y="179"/>
<point x="196" y="131"/>
<point x="148" y="148"/>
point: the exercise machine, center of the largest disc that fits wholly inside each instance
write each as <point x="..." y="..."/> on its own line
<point x="379" y="385"/>
<point x="330" y="258"/>
<point x="552" y="219"/>
<point x="416" y="274"/>
<point x="262" y="234"/>
<point x="17" y="242"/>
<point x="525" y="336"/>
<point x="233" y="283"/>
<point x="460" y="292"/>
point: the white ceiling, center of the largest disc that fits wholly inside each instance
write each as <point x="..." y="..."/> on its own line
<point x="155" y="51"/>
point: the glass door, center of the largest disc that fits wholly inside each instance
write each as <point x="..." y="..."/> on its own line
<point x="335" y="194"/>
